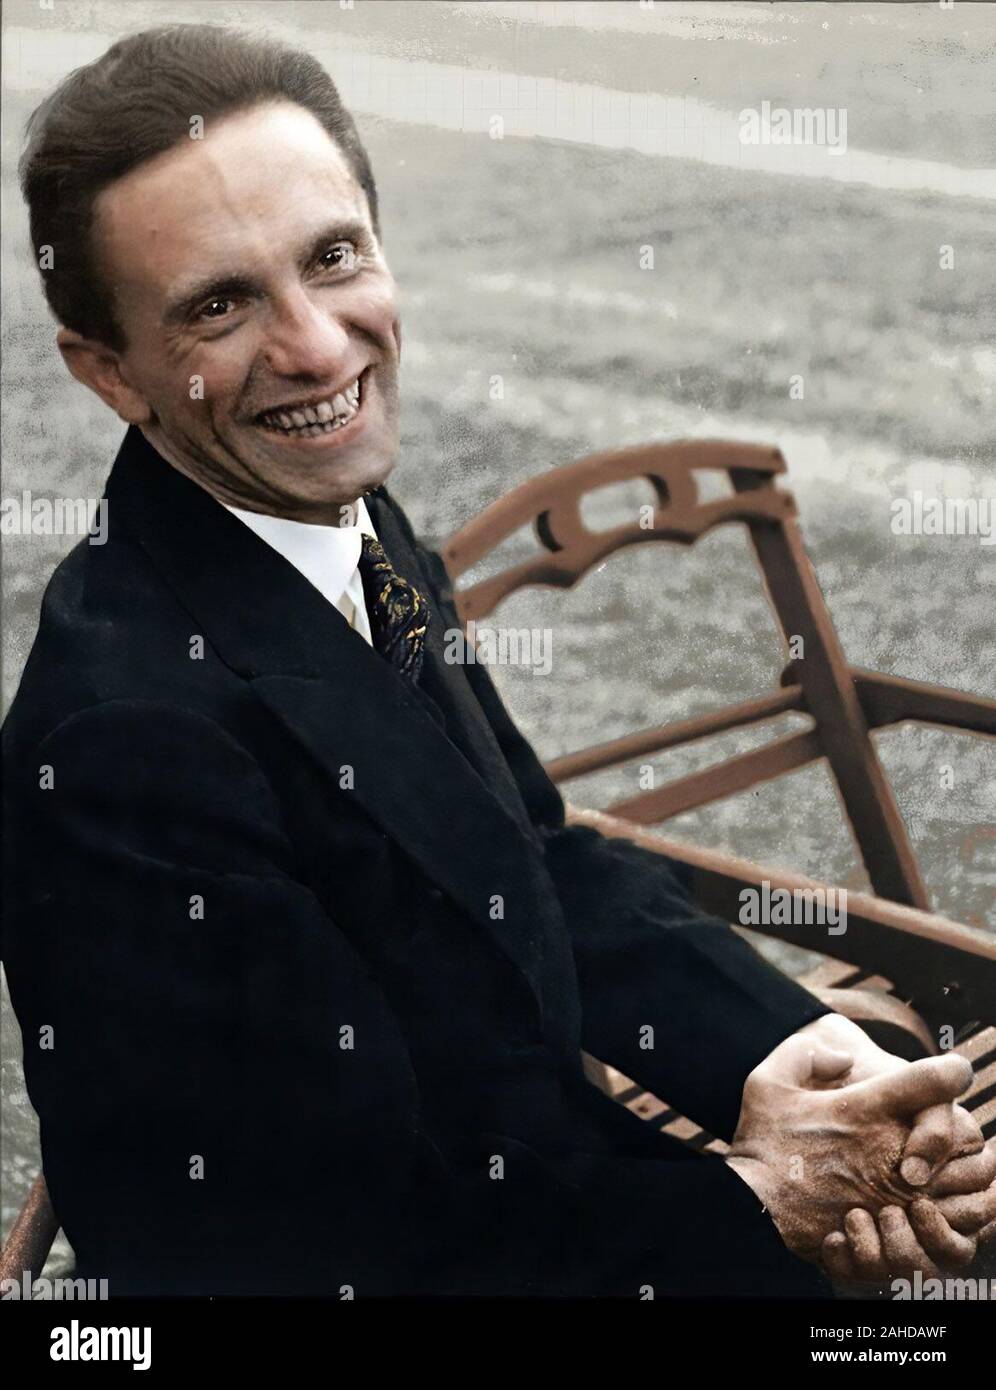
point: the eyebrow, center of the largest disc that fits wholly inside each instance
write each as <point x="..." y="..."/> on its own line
<point x="187" y="297"/>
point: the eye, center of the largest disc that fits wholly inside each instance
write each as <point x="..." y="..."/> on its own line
<point x="208" y="308"/>
<point x="341" y="255"/>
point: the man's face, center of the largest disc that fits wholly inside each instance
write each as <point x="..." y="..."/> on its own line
<point x="253" y="295"/>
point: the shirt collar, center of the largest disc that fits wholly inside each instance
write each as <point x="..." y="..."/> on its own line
<point x="327" y="556"/>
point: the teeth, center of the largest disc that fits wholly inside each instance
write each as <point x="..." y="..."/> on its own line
<point x="322" y="418"/>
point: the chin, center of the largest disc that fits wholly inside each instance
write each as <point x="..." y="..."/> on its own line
<point x="360" y="481"/>
<point x="342" y="484"/>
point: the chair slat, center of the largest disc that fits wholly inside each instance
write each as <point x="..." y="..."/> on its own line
<point x="979" y="1045"/>
<point x="984" y="1080"/>
<point x="829" y="974"/>
<point x="985" y="1117"/>
<point x="722" y="779"/>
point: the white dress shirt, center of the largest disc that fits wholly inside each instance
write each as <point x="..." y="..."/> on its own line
<point x="327" y="556"/>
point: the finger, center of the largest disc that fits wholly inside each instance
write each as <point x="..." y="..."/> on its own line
<point x="865" y="1245"/>
<point x="969" y="1138"/>
<point x="937" y="1238"/>
<point x="930" y="1144"/>
<point x="901" y="1250"/>
<point x="972" y="1174"/>
<point x="969" y="1213"/>
<point x="836" y="1258"/>
<point x="908" y="1090"/>
<point x="986" y="1236"/>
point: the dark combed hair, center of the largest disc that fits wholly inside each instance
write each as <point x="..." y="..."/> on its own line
<point x="137" y="101"/>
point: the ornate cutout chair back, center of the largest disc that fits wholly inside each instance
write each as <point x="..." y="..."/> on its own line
<point x="894" y="946"/>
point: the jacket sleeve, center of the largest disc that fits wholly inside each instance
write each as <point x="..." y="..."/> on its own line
<point x="670" y="995"/>
<point x="225" y="1089"/>
<point x="226" y="1101"/>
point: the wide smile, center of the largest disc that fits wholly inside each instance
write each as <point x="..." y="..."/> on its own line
<point x="332" y="417"/>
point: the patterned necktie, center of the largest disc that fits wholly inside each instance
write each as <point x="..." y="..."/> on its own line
<point x="399" y="615"/>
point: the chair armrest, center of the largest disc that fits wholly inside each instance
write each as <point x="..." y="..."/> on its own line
<point x="947" y="970"/>
<point x="887" y="1020"/>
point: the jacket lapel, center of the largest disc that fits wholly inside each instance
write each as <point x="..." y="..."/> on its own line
<point x="339" y="698"/>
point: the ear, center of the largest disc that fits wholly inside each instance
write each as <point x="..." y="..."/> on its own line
<point x="99" y="368"/>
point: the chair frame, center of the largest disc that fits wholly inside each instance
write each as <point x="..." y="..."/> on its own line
<point x="949" y="970"/>
<point x="941" y="971"/>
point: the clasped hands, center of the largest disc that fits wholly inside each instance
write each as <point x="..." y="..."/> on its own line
<point x="864" y="1162"/>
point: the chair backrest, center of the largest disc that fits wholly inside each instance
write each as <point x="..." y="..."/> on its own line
<point x="843" y="703"/>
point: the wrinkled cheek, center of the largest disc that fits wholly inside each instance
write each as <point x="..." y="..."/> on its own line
<point x="210" y="380"/>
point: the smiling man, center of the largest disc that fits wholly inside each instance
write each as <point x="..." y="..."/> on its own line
<point x="303" y="952"/>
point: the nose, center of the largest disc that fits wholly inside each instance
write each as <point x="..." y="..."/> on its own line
<point x="305" y="337"/>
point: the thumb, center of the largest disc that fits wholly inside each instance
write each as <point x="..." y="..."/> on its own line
<point x="907" y="1090"/>
<point x="804" y="1060"/>
<point x="930" y="1144"/>
<point x="828" y="1063"/>
<point x="942" y="1133"/>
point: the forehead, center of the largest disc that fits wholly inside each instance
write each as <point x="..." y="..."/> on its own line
<point x="255" y="184"/>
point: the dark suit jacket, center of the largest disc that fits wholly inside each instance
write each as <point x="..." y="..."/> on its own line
<point x="319" y="953"/>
